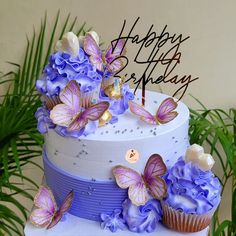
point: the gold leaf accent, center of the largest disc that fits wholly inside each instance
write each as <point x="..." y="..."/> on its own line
<point x="105" y="118"/>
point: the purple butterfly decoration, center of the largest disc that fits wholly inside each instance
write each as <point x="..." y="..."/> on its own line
<point x="140" y="185"/>
<point x="47" y="214"/>
<point x="165" y="112"/>
<point x="110" y="58"/>
<point x="70" y="114"/>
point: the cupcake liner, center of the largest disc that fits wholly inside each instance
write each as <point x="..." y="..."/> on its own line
<point x="51" y="102"/>
<point x="184" y="222"/>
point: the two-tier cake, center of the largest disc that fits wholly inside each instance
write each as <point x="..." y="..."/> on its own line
<point x="107" y="158"/>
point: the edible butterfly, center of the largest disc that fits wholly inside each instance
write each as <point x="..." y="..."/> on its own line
<point x="109" y="58"/>
<point x="70" y="113"/>
<point x="165" y="112"/>
<point x="140" y="185"/>
<point x="47" y="213"/>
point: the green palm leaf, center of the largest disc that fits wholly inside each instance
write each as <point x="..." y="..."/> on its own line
<point x="217" y="129"/>
<point x="20" y="141"/>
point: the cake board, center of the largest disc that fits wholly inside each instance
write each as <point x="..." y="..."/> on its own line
<point x="75" y="226"/>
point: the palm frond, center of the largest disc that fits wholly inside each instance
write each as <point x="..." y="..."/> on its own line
<point x="20" y="141"/>
<point x="217" y="129"/>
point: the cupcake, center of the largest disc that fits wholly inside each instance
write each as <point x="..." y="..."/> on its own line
<point x="193" y="192"/>
<point x="69" y="62"/>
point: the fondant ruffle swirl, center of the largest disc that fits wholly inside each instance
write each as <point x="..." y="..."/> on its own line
<point x="190" y="189"/>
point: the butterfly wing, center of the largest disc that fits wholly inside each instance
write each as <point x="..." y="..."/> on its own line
<point x="41" y="217"/>
<point x="71" y="96"/>
<point x="77" y="124"/>
<point x="46" y="204"/>
<point x="63" y="209"/>
<point x="165" y="112"/>
<point x="142" y="113"/>
<point x="155" y="168"/>
<point x="114" y="63"/>
<point x="62" y="114"/>
<point x="128" y="178"/>
<point x="95" y="111"/>
<point x="92" y="113"/>
<point x="92" y="49"/>
<point x="115" y="50"/>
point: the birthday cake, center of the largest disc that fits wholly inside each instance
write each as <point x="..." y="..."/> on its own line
<point x="110" y="159"/>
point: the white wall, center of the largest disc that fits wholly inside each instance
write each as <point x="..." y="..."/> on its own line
<point x="209" y="53"/>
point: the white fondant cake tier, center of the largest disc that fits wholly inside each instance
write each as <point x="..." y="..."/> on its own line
<point x="94" y="156"/>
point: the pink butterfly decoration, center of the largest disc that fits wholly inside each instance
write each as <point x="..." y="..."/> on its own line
<point x="70" y="114"/>
<point x="165" y="112"/>
<point x="140" y="185"/>
<point x="109" y="58"/>
<point x="46" y="213"/>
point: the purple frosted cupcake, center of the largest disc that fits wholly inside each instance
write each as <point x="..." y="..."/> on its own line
<point x="193" y="192"/>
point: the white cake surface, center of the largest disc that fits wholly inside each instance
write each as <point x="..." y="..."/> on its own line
<point x="93" y="156"/>
<point x="75" y="226"/>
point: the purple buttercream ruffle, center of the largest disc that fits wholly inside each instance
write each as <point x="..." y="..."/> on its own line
<point x="190" y="189"/>
<point x="142" y="218"/>
<point x="44" y="121"/>
<point x="63" y="68"/>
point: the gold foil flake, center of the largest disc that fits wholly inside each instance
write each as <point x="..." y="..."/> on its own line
<point x="114" y="91"/>
<point x="105" y="118"/>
